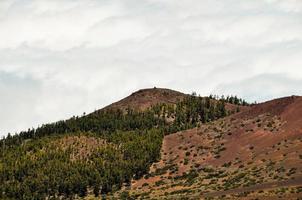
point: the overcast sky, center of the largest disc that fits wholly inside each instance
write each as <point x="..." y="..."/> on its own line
<point x="59" y="58"/>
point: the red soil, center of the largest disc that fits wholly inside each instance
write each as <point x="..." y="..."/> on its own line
<point x="270" y="131"/>
<point x="146" y="98"/>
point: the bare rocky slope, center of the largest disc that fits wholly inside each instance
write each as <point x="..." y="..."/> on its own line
<point x="253" y="154"/>
<point x="145" y="98"/>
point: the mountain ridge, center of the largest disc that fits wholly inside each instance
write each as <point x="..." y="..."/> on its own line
<point x="193" y="147"/>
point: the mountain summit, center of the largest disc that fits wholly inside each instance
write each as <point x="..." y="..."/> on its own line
<point x="145" y="98"/>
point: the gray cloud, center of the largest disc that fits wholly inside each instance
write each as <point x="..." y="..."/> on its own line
<point x="262" y="87"/>
<point x="60" y="58"/>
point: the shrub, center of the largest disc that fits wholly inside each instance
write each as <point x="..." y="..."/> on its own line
<point x="145" y="184"/>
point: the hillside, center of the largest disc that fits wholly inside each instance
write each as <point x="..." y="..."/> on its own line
<point x="161" y="144"/>
<point x="256" y="153"/>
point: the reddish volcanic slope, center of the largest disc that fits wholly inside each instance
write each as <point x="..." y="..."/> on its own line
<point x="256" y="153"/>
<point x="145" y="98"/>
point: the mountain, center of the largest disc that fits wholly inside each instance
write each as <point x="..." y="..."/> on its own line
<point x="161" y="144"/>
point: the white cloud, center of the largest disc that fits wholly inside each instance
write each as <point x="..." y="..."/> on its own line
<point x="275" y="85"/>
<point x="63" y="57"/>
